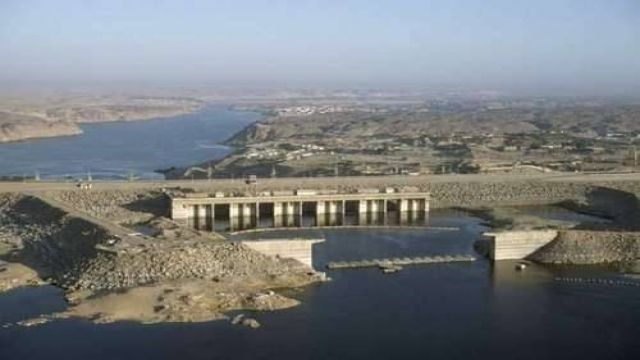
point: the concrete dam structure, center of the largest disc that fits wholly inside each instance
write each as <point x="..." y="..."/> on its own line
<point x="298" y="249"/>
<point x="518" y="244"/>
<point x="286" y="208"/>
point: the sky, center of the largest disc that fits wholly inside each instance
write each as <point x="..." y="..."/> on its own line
<point x="571" y="45"/>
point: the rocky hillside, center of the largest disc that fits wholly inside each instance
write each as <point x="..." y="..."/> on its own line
<point x="74" y="252"/>
<point x="577" y="120"/>
<point x="14" y="127"/>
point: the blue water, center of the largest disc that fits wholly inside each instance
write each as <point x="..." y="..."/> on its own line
<point x="118" y="149"/>
<point x="441" y="311"/>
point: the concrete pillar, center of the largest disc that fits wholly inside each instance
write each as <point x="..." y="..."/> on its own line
<point x="412" y="216"/>
<point x="234" y="223"/>
<point x="290" y="213"/>
<point x="277" y="214"/>
<point x="374" y="206"/>
<point x="402" y="217"/>
<point x="321" y="213"/>
<point x="415" y="205"/>
<point x="234" y="210"/>
<point x="277" y="221"/>
<point x="384" y="212"/>
<point x="333" y="207"/>
<point x="362" y="206"/>
<point x="208" y="216"/>
<point x="403" y="205"/>
<point x="363" y="218"/>
<point x="277" y="209"/>
<point x="247" y="215"/>
<point x="202" y="211"/>
<point x="426" y="205"/>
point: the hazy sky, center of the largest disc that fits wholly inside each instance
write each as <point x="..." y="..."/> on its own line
<point x="575" y="44"/>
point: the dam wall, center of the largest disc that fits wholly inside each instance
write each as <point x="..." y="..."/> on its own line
<point x="580" y="247"/>
<point x="284" y="207"/>
<point x="512" y="245"/>
<point x="298" y="249"/>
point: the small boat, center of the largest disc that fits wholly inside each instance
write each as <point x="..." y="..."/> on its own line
<point x="521" y="266"/>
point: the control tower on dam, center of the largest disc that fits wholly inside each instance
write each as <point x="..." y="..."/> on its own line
<point x="284" y="208"/>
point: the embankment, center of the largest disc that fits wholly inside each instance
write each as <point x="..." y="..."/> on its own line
<point x="73" y="252"/>
<point x="48" y="239"/>
<point x="590" y="247"/>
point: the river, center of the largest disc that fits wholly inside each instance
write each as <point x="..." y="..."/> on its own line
<point x="473" y="310"/>
<point x="116" y="150"/>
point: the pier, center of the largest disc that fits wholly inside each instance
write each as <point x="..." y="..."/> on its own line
<point x="399" y="261"/>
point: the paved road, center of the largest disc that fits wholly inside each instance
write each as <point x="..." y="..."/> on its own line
<point x="357" y="181"/>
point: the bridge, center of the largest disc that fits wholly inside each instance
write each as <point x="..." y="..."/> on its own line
<point x="286" y="208"/>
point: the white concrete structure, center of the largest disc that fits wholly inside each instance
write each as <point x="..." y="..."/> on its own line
<point x="513" y="245"/>
<point x="330" y="207"/>
<point x="298" y="249"/>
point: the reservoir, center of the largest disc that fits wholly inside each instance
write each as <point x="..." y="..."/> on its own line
<point x="472" y="310"/>
<point x="117" y="150"/>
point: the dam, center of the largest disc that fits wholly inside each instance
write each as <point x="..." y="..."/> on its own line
<point x="286" y="208"/>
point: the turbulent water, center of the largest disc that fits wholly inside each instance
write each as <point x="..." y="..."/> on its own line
<point x="442" y="311"/>
<point x="121" y="149"/>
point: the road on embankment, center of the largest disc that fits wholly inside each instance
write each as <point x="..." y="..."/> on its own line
<point x="318" y="182"/>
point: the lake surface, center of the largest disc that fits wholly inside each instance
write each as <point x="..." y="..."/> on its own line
<point x="118" y="149"/>
<point x="472" y="310"/>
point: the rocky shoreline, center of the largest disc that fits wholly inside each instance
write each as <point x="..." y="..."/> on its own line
<point x="205" y="277"/>
<point x="586" y="247"/>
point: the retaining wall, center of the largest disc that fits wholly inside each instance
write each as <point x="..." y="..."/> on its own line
<point x="509" y="245"/>
<point x="298" y="249"/>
